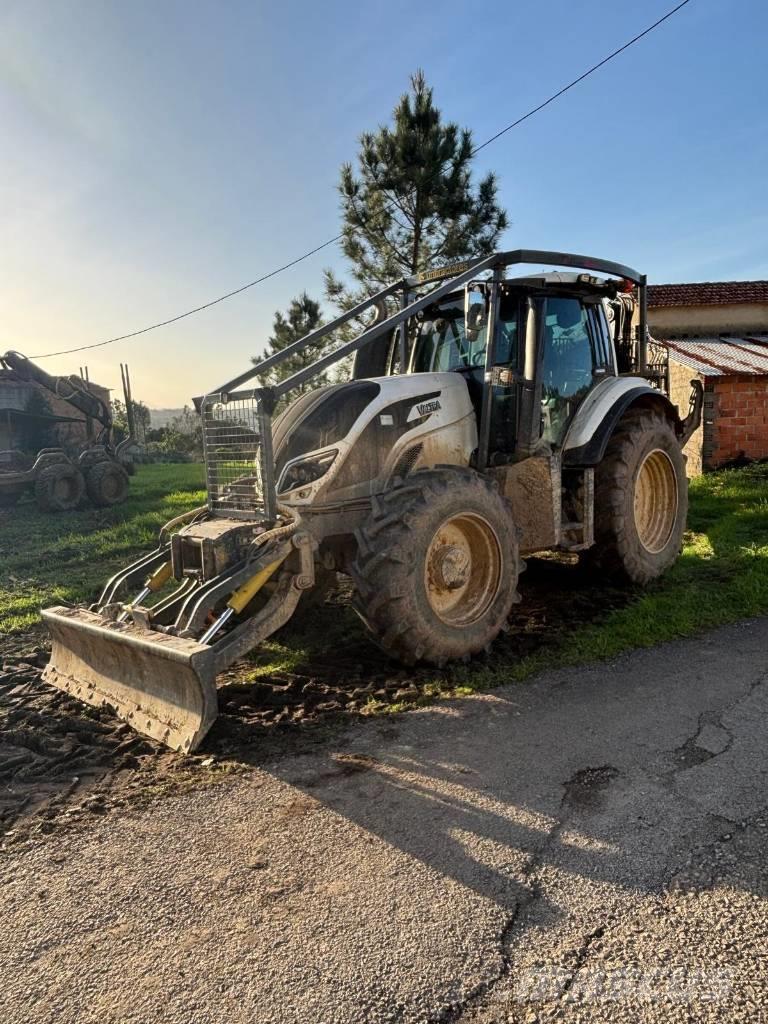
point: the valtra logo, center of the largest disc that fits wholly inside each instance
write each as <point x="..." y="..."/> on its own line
<point x="427" y="407"/>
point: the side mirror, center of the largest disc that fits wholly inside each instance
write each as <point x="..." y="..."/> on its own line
<point x="379" y="312"/>
<point x="475" y="311"/>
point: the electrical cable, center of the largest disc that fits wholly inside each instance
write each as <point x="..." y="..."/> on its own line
<point x="336" y="238"/>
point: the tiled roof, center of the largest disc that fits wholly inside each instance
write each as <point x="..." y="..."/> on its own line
<point x="707" y="293"/>
<point x="722" y="357"/>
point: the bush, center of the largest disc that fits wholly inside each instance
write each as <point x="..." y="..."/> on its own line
<point x="161" y="451"/>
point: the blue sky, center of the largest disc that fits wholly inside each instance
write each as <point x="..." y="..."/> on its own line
<point x="156" y="154"/>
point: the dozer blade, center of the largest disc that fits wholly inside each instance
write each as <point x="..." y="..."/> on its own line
<point x="163" y="686"/>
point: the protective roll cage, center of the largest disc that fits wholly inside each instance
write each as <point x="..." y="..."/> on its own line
<point x="446" y="280"/>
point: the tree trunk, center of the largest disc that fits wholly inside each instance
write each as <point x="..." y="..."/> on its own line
<point x="416" y="239"/>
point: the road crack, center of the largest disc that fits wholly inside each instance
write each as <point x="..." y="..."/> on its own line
<point x="581" y="790"/>
<point x="711" y="738"/>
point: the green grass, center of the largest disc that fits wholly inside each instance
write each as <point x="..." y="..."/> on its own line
<point x="721" y="576"/>
<point x="48" y="558"/>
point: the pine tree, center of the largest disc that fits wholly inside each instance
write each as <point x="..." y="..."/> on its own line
<point x="413" y="205"/>
<point x="302" y="316"/>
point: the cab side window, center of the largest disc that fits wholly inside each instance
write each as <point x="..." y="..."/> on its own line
<point x="601" y="338"/>
<point x="567" y="364"/>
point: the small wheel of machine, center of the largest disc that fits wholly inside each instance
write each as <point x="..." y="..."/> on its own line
<point x="641" y="499"/>
<point x="437" y="566"/>
<point x="107" y="484"/>
<point x="59" y="488"/>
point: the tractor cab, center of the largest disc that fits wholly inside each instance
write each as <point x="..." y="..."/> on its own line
<point x="552" y="342"/>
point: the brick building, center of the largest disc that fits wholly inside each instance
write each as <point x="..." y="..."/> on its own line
<point x="717" y="332"/>
<point x="30" y="414"/>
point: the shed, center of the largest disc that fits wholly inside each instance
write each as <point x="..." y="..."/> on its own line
<point x="31" y="417"/>
<point x="717" y="332"/>
<point x="734" y="372"/>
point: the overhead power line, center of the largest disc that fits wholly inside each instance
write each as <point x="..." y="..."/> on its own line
<point x="576" y="81"/>
<point x="337" y="238"/>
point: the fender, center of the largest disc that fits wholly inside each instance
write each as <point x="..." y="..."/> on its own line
<point x="595" y="420"/>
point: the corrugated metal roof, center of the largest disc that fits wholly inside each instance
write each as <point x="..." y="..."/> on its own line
<point x="722" y="357"/>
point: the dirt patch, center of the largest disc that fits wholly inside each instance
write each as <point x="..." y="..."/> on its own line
<point x="559" y="597"/>
<point x="585" y="787"/>
<point x="60" y="760"/>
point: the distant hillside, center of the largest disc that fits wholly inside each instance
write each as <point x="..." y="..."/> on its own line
<point x="162" y="417"/>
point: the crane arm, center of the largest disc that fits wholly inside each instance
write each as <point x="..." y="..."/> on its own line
<point x="69" y="389"/>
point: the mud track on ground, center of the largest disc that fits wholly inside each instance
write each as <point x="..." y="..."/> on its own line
<point x="61" y="761"/>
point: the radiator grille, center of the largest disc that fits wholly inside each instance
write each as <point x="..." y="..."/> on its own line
<point x="237" y="441"/>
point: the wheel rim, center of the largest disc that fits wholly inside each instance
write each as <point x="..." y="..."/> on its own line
<point x="462" y="571"/>
<point x="655" y="501"/>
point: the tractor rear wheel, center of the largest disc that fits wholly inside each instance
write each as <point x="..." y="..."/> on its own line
<point x="107" y="484"/>
<point x="641" y="499"/>
<point x="437" y="566"/>
<point x="59" y="488"/>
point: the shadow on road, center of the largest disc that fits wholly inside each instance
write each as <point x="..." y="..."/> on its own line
<point x="594" y="773"/>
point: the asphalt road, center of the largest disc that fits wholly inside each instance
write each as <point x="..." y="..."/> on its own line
<point x="590" y="846"/>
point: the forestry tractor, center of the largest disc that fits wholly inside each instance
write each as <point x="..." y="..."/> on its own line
<point x="59" y="481"/>
<point x="487" y="417"/>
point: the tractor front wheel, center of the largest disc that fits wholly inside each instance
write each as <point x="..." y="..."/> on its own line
<point x="437" y="566"/>
<point x="641" y="499"/>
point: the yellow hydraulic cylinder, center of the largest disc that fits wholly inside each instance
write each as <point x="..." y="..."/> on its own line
<point x="240" y="598"/>
<point x="155" y="582"/>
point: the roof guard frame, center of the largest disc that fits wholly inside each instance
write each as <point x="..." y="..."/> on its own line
<point x="448" y="279"/>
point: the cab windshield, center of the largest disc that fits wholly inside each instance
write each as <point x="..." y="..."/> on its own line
<point x="442" y="342"/>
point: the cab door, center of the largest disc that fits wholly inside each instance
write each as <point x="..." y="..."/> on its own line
<point x="574" y="354"/>
<point x="503" y="377"/>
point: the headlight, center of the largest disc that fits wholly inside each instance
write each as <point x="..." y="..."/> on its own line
<point x="305" y="471"/>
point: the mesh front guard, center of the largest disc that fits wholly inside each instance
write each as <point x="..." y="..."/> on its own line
<point x="237" y="442"/>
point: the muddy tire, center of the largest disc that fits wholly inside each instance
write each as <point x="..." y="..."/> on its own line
<point x="641" y="499"/>
<point x="59" y="488"/>
<point x="437" y="565"/>
<point x="107" y="484"/>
